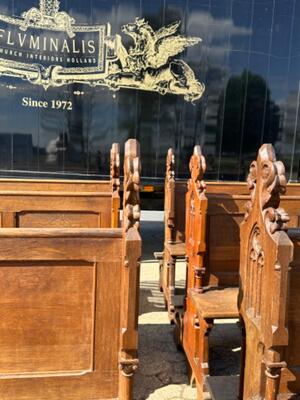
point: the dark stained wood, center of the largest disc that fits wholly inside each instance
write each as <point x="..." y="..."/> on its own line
<point x="62" y="203"/>
<point x="69" y="306"/>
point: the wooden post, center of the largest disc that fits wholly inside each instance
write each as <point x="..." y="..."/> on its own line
<point x="130" y="275"/>
<point x="115" y="184"/>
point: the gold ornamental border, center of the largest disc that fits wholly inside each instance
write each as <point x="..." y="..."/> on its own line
<point x="150" y="64"/>
<point x="56" y="75"/>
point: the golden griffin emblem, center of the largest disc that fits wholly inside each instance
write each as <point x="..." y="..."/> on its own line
<point x="150" y="63"/>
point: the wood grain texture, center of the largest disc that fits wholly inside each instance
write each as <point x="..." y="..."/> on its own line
<point x="69" y="303"/>
<point x="62" y="203"/>
<point x="269" y="290"/>
<point x="213" y="259"/>
<point x="225" y="212"/>
<point x="226" y="202"/>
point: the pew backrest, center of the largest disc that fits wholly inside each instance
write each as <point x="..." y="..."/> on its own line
<point x="290" y="375"/>
<point x="62" y="203"/>
<point x="225" y="212"/>
<point x="69" y="300"/>
<point x="196" y="217"/>
<point x="174" y="203"/>
<point x="265" y="255"/>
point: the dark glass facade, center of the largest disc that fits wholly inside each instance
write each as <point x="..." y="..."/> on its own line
<point x="249" y="60"/>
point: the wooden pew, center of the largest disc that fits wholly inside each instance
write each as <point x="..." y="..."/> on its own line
<point x="174" y="240"/>
<point x="62" y="203"/>
<point x="212" y="248"/>
<point x="69" y="306"/>
<point x="220" y="205"/>
<point x="269" y="291"/>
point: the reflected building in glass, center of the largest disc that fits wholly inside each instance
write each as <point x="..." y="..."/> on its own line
<point x="248" y="59"/>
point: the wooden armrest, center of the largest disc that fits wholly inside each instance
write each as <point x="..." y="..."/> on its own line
<point x="216" y="303"/>
<point x="223" y="387"/>
<point x="176" y="249"/>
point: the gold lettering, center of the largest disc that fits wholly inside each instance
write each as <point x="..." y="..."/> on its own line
<point x="91" y="46"/>
<point x="83" y="46"/>
<point x="8" y="39"/>
<point x="45" y="43"/>
<point x="34" y="42"/>
<point x="65" y="47"/>
<point x="53" y="44"/>
<point x="1" y="33"/>
<point x="74" y="47"/>
<point x="22" y="38"/>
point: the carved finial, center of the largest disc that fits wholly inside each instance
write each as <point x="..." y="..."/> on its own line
<point x="267" y="180"/>
<point x="132" y="170"/>
<point x="197" y="168"/>
<point x="170" y="170"/>
<point x="115" y="167"/>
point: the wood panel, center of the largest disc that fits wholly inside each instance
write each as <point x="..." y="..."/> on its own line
<point x="226" y="207"/>
<point x="60" y="327"/>
<point x="47" y="318"/>
<point x="269" y="291"/>
<point x="59" y="185"/>
<point x="213" y="250"/>
<point x="69" y="306"/>
<point x="62" y="203"/>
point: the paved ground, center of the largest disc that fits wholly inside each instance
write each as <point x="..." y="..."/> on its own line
<point x="162" y="373"/>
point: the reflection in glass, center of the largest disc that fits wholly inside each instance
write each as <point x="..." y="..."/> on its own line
<point x="249" y="60"/>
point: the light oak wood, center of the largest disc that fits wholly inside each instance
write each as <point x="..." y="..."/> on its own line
<point x="62" y="203"/>
<point x="69" y="306"/>
<point x="225" y="211"/>
<point x="213" y="258"/>
<point x="269" y="289"/>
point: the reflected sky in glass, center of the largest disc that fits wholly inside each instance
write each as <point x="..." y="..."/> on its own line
<point x="249" y="60"/>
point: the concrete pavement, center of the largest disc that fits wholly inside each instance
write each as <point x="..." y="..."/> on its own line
<point x="162" y="374"/>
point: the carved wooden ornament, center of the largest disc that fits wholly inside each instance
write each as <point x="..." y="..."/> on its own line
<point x="264" y="263"/>
<point x="132" y="170"/>
<point x="115" y="167"/>
<point x="196" y="208"/>
<point x="197" y="169"/>
<point x="267" y="177"/>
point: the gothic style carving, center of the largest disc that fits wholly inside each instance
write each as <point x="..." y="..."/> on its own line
<point x="115" y="167"/>
<point x="256" y="260"/>
<point x="267" y="176"/>
<point x="170" y="164"/>
<point x="197" y="169"/>
<point x="196" y="207"/>
<point x="265" y="294"/>
<point x="132" y="170"/>
<point x="276" y="219"/>
<point x="170" y="195"/>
